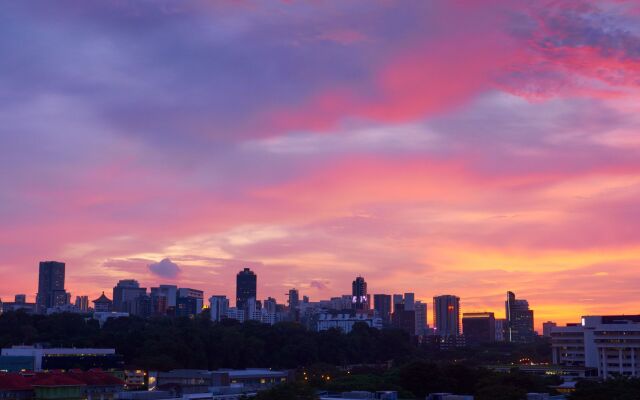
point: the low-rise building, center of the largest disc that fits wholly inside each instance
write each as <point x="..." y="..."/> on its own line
<point x="64" y="358"/>
<point x="611" y="344"/>
<point x="346" y="320"/>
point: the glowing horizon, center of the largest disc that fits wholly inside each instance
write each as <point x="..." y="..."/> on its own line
<point x="442" y="147"/>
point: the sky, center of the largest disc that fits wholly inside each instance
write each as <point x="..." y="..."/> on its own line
<point x="436" y="147"/>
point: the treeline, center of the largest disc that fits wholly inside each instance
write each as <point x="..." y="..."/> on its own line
<point x="416" y="379"/>
<point x="168" y="343"/>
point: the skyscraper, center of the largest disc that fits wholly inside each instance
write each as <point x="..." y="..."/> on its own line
<point x="398" y="299"/>
<point x="218" y="307"/>
<point x="82" y="303"/>
<point x="294" y="299"/>
<point x="246" y="287"/>
<point x="519" y="320"/>
<point x="409" y="300"/>
<point x="420" y="309"/>
<point x="51" y="290"/>
<point x="189" y="302"/>
<point x="125" y="293"/>
<point x="446" y="315"/>
<point x="479" y="327"/>
<point x="359" y="294"/>
<point x="382" y="304"/>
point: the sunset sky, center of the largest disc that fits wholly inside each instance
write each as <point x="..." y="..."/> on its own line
<point x="436" y="146"/>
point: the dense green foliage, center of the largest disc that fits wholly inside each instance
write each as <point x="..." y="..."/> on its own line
<point x="167" y="343"/>
<point x="611" y="389"/>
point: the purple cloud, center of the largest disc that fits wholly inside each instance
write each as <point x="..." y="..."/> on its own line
<point x="165" y="269"/>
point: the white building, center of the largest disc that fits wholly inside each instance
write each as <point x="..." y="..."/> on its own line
<point x="611" y="344"/>
<point x="218" y="307"/>
<point x="346" y="321"/>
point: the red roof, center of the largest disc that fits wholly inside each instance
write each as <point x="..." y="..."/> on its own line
<point x="14" y="381"/>
<point x="55" y="379"/>
<point x="96" y="378"/>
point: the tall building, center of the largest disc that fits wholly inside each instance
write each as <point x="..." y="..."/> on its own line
<point x="164" y="299"/>
<point x="124" y="294"/>
<point x="501" y="329"/>
<point x="610" y="344"/>
<point x="294" y="299"/>
<point x="189" y="302"/>
<point x="246" y="287"/>
<point x="359" y="294"/>
<point x="51" y="292"/>
<point x="82" y="303"/>
<point x="519" y="320"/>
<point x="420" y="310"/>
<point x="404" y="319"/>
<point x="479" y="327"/>
<point x="398" y="299"/>
<point x="446" y="315"/>
<point x="218" y="307"/>
<point x="546" y="328"/>
<point x="409" y="301"/>
<point x="382" y="304"/>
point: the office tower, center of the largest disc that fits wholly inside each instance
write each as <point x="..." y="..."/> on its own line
<point x="218" y="307"/>
<point x="420" y="310"/>
<point x="479" y="327"/>
<point x="102" y="304"/>
<point x="294" y="299"/>
<point x="51" y="292"/>
<point x="246" y="287"/>
<point x="382" y="304"/>
<point x="546" y="328"/>
<point x="359" y="294"/>
<point x="519" y="320"/>
<point x="404" y="319"/>
<point x="189" y="302"/>
<point x="397" y="299"/>
<point x="164" y="299"/>
<point x="141" y="306"/>
<point x="501" y="329"/>
<point x="270" y="305"/>
<point x="446" y="315"/>
<point x="82" y="303"/>
<point x="124" y="294"/>
<point x="409" y="300"/>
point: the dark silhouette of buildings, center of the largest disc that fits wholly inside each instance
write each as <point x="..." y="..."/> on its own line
<point x="125" y="294"/>
<point x="479" y="327"/>
<point x="359" y="294"/>
<point x="382" y="304"/>
<point x="246" y="287"/>
<point x="102" y="304"/>
<point x="519" y="320"/>
<point x="51" y="292"/>
<point x="446" y="315"/>
<point x="404" y="319"/>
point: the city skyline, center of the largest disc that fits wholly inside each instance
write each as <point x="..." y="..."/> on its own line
<point x="439" y="147"/>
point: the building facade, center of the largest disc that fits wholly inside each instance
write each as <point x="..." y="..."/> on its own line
<point x="479" y="328"/>
<point x="610" y="344"/>
<point x="519" y="320"/>
<point x="246" y="287"/>
<point x="382" y="305"/>
<point x="446" y="315"/>
<point x="51" y="291"/>
<point x="359" y="298"/>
